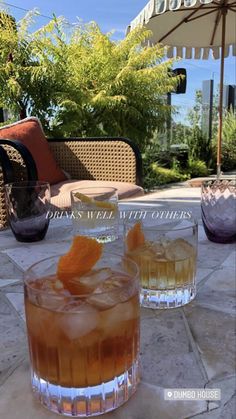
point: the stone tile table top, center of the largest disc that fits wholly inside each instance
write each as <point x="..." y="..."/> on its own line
<point x="189" y="347"/>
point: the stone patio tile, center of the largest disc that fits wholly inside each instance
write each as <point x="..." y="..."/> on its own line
<point x="228" y="411"/>
<point x="7" y="269"/>
<point x="13" y="339"/>
<point x="62" y="230"/>
<point x="211" y="255"/>
<point x="228" y="389"/>
<point x="225" y="412"/>
<point x="214" y="414"/>
<point x="13" y="287"/>
<point x="219" y="291"/>
<point x="148" y="313"/>
<point x="201" y="233"/>
<point x="147" y="403"/>
<point x="166" y="354"/>
<point x="213" y="332"/>
<point x="17" y="300"/>
<point x="202" y="273"/>
<point x="7" y="239"/>
<point x="6" y="282"/>
<point x="230" y="261"/>
<point x="29" y="254"/>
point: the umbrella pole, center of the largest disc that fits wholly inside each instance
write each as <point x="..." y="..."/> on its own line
<point x="219" y="142"/>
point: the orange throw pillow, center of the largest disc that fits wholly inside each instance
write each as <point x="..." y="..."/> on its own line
<point x="30" y="133"/>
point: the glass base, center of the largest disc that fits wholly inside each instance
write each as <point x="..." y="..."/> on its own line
<point x="163" y="299"/>
<point x="106" y="239"/>
<point x="221" y="237"/>
<point x="100" y="237"/>
<point x="89" y="401"/>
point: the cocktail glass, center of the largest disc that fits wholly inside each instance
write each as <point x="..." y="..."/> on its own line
<point x="95" y="213"/>
<point x="27" y="205"/>
<point x="84" y="348"/>
<point x="218" y="205"/>
<point x="166" y="259"/>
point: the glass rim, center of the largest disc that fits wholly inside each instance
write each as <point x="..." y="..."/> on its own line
<point x="193" y="223"/>
<point x="210" y="182"/>
<point x="110" y="188"/>
<point x="45" y="292"/>
<point x="27" y="183"/>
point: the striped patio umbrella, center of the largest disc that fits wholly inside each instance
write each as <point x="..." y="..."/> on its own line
<point x="193" y="29"/>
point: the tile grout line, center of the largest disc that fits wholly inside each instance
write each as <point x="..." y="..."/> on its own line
<point x="13" y="309"/>
<point x="195" y="348"/>
<point x="215" y="308"/>
<point x="12" y="369"/>
<point x="204" y="280"/>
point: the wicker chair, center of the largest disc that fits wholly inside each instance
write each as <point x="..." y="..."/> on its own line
<point x="16" y="164"/>
<point x="101" y="159"/>
<point x="116" y="159"/>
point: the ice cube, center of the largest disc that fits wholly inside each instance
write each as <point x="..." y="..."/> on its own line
<point x="79" y="321"/>
<point x="122" y="312"/>
<point x="110" y="292"/>
<point x="95" y="278"/>
<point x="112" y="321"/>
<point x="179" y="249"/>
<point x="158" y="249"/>
<point x="102" y="301"/>
<point x="48" y="292"/>
<point x="51" y="302"/>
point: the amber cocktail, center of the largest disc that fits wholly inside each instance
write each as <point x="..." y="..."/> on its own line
<point x="165" y="251"/>
<point x="84" y="348"/>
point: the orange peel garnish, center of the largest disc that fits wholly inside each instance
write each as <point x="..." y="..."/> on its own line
<point x="79" y="260"/>
<point x="100" y="204"/>
<point x="135" y="237"/>
<point x="84" y="198"/>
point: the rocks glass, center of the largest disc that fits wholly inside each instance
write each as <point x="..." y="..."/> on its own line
<point x="27" y="206"/>
<point x="84" y="349"/>
<point x="95" y="213"/>
<point x="166" y="259"/>
<point x="218" y="206"/>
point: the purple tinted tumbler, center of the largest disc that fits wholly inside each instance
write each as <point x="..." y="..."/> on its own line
<point x="27" y="205"/>
<point x="218" y="206"/>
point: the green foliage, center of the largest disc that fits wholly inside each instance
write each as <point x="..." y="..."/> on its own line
<point x="30" y="78"/>
<point x="228" y="142"/>
<point x="197" y="168"/>
<point x="154" y="173"/>
<point x="79" y="82"/>
<point x="200" y="147"/>
<point x="160" y="176"/>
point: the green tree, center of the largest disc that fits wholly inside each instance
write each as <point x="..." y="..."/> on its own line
<point x="80" y="82"/>
<point x="199" y="145"/>
<point x="228" y="142"/>
<point x="30" y="79"/>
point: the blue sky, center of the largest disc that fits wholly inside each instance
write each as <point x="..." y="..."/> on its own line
<point x="116" y="15"/>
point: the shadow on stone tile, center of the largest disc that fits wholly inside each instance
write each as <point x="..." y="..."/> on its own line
<point x="147" y="403"/>
<point x="213" y="332"/>
<point x="219" y="291"/>
<point x="13" y="345"/>
<point x="7" y="269"/>
<point x="166" y="353"/>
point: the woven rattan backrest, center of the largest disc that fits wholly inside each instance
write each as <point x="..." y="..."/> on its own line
<point x="21" y="171"/>
<point x="97" y="159"/>
<point x="19" y="167"/>
<point x="3" y="214"/>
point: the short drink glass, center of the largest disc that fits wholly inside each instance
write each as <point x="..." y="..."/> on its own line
<point x="95" y="213"/>
<point x="84" y="349"/>
<point x="167" y="258"/>
<point x="218" y="207"/>
<point x="27" y="204"/>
